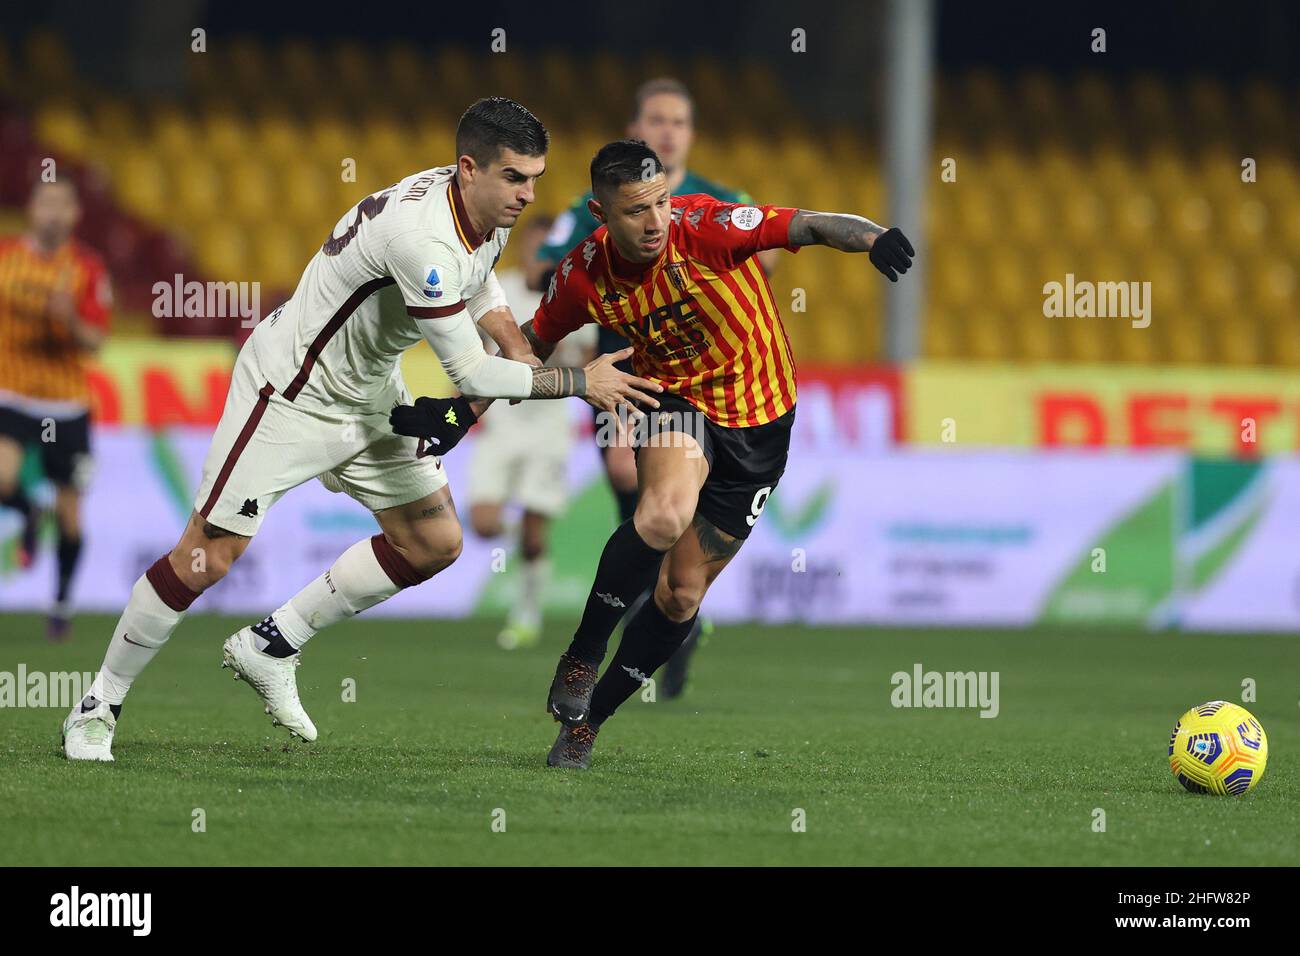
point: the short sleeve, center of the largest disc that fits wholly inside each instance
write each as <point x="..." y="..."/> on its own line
<point x="427" y="273"/>
<point x="95" y="305"/>
<point x="563" y="309"/>
<point x="725" y="234"/>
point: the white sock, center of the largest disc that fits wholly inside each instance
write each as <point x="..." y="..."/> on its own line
<point x="532" y="582"/>
<point x="141" y="631"/>
<point x="356" y="581"/>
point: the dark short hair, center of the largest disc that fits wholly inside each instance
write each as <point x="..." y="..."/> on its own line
<point x="494" y="123"/>
<point x="623" y="161"/>
<point x="661" y="84"/>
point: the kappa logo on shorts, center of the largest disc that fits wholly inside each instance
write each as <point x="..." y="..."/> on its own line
<point x="250" y="508"/>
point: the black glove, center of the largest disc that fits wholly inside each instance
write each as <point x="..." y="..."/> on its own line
<point x="891" y="251"/>
<point x="442" y="421"/>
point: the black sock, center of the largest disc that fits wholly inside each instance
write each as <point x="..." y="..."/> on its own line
<point x="627" y="567"/>
<point x="276" y="645"/>
<point x="626" y="503"/>
<point x="69" y="555"/>
<point x="90" y="702"/>
<point x="648" y="641"/>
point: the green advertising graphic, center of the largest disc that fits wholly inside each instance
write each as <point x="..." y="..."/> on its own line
<point x="1165" y="550"/>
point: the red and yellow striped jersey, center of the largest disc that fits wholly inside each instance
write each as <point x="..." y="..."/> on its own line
<point x="39" y="359"/>
<point x="701" y="318"/>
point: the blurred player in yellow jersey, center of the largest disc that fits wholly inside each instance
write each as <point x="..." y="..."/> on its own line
<point x="521" y="455"/>
<point x="55" y="302"/>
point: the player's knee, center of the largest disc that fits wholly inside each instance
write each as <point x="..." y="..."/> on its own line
<point x="201" y="567"/>
<point x="679" y="600"/>
<point x="662" y="519"/>
<point x="434" y="552"/>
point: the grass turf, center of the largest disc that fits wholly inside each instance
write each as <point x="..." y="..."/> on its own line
<point x="446" y="730"/>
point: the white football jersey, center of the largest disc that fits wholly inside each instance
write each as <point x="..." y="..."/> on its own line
<point x="400" y="255"/>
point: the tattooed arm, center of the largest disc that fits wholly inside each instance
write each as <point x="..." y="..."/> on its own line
<point x="842" y="231"/>
<point x="888" y="249"/>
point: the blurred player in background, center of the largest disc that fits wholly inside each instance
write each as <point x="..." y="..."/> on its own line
<point x="55" y="302"/>
<point x="664" y="118"/>
<point x="677" y="275"/>
<point x="313" y="395"/>
<point x="521" y="454"/>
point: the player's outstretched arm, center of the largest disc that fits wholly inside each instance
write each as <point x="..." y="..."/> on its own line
<point x="600" y="383"/>
<point x="444" y="421"/>
<point x="889" y="250"/>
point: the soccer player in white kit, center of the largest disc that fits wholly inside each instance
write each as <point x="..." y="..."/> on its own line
<point x="521" y="453"/>
<point x="311" y="395"/>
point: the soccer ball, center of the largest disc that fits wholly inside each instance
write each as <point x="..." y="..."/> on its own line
<point x="1218" y="748"/>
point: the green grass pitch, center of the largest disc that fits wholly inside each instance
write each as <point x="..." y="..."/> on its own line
<point x="446" y="730"/>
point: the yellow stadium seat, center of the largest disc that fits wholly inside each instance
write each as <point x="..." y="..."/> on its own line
<point x="248" y="192"/>
<point x="955" y="278"/>
<point x="1236" y="341"/>
<point x="1028" y="216"/>
<point x="197" y="190"/>
<point x="278" y="137"/>
<point x="1136" y="346"/>
<point x="1087" y="340"/>
<point x="1007" y="282"/>
<point x="1273" y="288"/>
<point x="175" y="135"/>
<point x="278" y="256"/>
<point x="939" y="338"/>
<point x="226" y="134"/>
<point x="306" y="194"/>
<point x="1037" y="338"/>
<point x="987" y="335"/>
<point x="1134" y="218"/>
<point x="62" y="125"/>
<point x="1184" y="339"/>
<point x="1283" y="343"/>
<point x="222" y="252"/>
<point x="1245" y="221"/>
<point x="1083" y="217"/>
<point x="143" y="184"/>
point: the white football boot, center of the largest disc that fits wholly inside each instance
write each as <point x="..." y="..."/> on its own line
<point x="273" y="678"/>
<point x="88" y="734"/>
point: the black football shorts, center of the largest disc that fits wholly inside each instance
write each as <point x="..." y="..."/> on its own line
<point x="745" y="464"/>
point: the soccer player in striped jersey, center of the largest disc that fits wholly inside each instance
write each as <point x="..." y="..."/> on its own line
<point x="55" y="302"/>
<point x="677" y="275"/>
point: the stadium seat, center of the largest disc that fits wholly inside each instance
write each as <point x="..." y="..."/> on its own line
<point x="1087" y="175"/>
